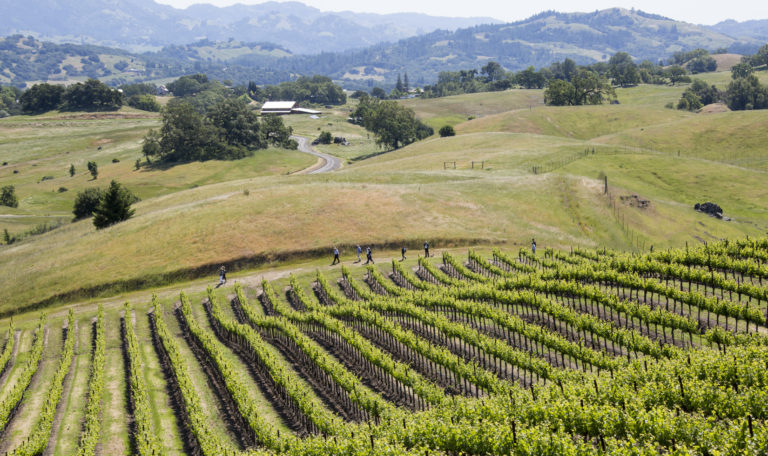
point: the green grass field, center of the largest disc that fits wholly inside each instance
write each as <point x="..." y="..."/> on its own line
<point x="517" y="170"/>
<point x="195" y="216"/>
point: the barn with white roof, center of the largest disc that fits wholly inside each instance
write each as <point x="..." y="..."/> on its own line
<point x="280" y="108"/>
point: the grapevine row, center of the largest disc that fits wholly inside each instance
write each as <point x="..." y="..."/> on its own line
<point x="12" y="400"/>
<point x="5" y="356"/>
<point x="143" y="435"/>
<point x="38" y="439"/>
<point x="295" y="396"/>
<point x="207" y="441"/>
<point x="422" y="388"/>
<point x="92" y="427"/>
<point x="335" y="372"/>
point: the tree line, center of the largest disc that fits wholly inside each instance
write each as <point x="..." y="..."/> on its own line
<point x="744" y="92"/>
<point x="620" y="70"/>
<point x="91" y="95"/>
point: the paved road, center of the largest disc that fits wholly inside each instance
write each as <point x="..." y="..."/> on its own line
<point x="329" y="163"/>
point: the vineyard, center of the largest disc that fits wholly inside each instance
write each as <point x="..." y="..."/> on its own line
<point x="556" y="353"/>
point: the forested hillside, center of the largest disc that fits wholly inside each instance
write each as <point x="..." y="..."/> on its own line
<point x="538" y="41"/>
<point x="142" y="25"/>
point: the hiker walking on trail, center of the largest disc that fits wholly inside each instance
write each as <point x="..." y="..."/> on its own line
<point x="402" y="252"/>
<point x="368" y="256"/>
<point x="359" y="251"/>
<point x="533" y="246"/>
<point x="222" y="275"/>
<point x="335" y="256"/>
<point x="426" y="249"/>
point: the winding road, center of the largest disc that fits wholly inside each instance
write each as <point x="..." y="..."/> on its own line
<point x="327" y="164"/>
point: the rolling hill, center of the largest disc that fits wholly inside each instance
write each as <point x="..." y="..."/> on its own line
<point x="142" y="25"/>
<point x="755" y="29"/>
<point x="537" y="41"/>
<point x="672" y="158"/>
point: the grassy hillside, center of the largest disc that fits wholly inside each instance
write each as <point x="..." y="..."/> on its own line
<point x="38" y="151"/>
<point x="493" y="328"/>
<point x="194" y="217"/>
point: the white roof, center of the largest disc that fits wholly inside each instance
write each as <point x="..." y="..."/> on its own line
<point x="279" y="105"/>
<point x="305" y="111"/>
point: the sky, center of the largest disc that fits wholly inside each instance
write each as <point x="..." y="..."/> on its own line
<point x="707" y="12"/>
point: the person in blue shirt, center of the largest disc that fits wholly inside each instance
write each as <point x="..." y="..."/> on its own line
<point x="533" y="246"/>
<point x="335" y="256"/>
<point x="359" y="251"/>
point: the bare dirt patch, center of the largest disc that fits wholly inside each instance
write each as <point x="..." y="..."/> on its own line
<point x="101" y="142"/>
<point x="715" y="108"/>
<point x="107" y="115"/>
<point x="115" y="420"/>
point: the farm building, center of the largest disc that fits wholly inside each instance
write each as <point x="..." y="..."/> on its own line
<point x="285" y="107"/>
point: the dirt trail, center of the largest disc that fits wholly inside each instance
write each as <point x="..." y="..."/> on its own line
<point x="114" y="406"/>
<point x="325" y="164"/>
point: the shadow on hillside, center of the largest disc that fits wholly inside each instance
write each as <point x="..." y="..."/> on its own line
<point x="371" y="155"/>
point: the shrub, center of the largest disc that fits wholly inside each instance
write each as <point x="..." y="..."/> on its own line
<point x="86" y="202"/>
<point x="115" y="160"/>
<point x="144" y="102"/>
<point x="114" y="206"/>
<point x="93" y="168"/>
<point x="8" y="196"/>
<point x="447" y="130"/>
<point x="325" y="137"/>
<point x="63" y="189"/>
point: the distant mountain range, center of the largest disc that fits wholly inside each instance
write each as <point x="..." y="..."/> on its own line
<point x="537" y="41"/>
<point x="141" y="25"/>
<point x="755" y="29"/>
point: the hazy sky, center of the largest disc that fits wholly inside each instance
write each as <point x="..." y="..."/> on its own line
<point x="706" y="12"/>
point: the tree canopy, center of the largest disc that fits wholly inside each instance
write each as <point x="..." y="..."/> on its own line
<point x="230" y="130"/>
<point x="585" y="88"/>
<point x="41" y="98"/>
<point x="114" y="206"/>
<point x="315" y="89"/>
<point x="91" y="95"/>
<point x="394" y="125"/>
<point x="86" y="202"/>
<point x="8" y="196"/>
<point x="746" y="93"/>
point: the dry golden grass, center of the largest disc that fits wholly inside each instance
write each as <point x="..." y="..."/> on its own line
<point x="199" y="215"/>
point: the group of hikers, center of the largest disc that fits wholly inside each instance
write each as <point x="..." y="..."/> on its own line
<point x="368" y="257"/>
<point x="369" y="254"/>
